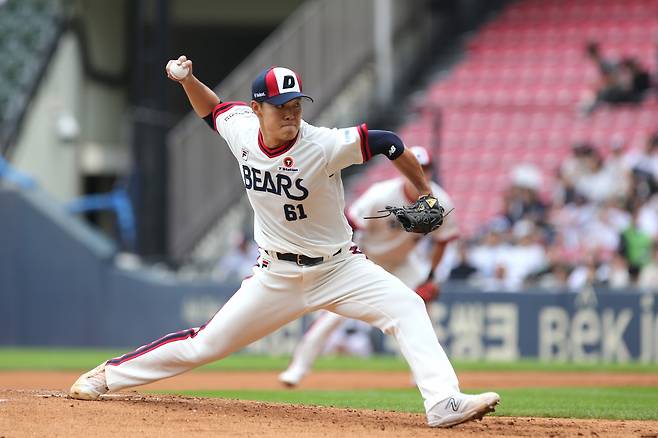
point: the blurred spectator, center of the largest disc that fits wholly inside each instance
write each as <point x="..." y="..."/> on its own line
<point x="555" y="279"/>
<point x="505" y="261"/>
<point x="238" y="261"/>
<point x="644" y="165"/>
<point x="524" y="259"/>
<point x="635" y="81"/>
<point x="573" y="168"/>
<point x="351" y="338"/>
<point x="624" y="82"/>
<point x="486" y="254"/>
<point x="636" y="246"/>
<point x="583" y="275"/>
<point x="648" y="279"/>
<point x="617" y="167"/>
<point x="617" y="273"/>
<point x="605" y="66"/>
<point x="647" y="218"/>
<point x="463" y="269"/>
<point x="522" y="199"/>
<point x="595" y="184"/>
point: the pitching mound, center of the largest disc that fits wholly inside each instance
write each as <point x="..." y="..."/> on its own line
<point x="51" y="413"/>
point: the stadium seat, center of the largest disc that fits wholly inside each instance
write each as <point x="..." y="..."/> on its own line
<point x="513" y="97"/>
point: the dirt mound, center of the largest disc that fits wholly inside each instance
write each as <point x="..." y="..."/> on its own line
<point x="51" y="413"/>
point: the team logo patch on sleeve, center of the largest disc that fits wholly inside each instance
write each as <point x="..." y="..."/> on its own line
<point x="288" y="165"/>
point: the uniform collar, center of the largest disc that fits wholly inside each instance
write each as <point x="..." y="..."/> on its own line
<point x="275" y="152"/>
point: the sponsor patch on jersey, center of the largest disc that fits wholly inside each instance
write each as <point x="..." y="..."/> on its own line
<point x="245" y="154"/>
<point x="288" y="165"/>
<point x="350" y="135"/>
<point x="265" y="264"/>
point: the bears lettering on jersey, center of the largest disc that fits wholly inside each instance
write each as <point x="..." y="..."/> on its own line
<point x="262" y="181"/>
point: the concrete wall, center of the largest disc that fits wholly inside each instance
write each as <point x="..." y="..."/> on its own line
<point x="41" y="151"/>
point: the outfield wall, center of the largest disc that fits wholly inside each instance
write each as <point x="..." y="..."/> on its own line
<point x="60" y="286"/>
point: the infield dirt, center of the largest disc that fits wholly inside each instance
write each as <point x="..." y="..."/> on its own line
<point x="35" y="404"/>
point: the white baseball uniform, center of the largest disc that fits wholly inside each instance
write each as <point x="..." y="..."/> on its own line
<point x="297" y="196"/>
<point x="386" y="243"/>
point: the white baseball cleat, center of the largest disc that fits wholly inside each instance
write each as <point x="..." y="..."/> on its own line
<point x="460" y="408"/>
<point x="291" y="377"/>
<point x="90" y="385"/>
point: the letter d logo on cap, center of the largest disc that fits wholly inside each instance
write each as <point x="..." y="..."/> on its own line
<point x="288" y="82"/>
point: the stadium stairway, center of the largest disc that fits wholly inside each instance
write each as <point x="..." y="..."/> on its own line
<point x="29" y="30"/>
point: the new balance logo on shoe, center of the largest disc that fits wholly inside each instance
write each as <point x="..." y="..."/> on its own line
<point x="460" y="408"/>
<point x="453" y="404"/>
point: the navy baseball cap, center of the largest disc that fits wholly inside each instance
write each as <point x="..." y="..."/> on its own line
<point x="277" y="85"/>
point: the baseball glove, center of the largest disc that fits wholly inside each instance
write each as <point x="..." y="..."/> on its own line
<point x="423" y="216"/>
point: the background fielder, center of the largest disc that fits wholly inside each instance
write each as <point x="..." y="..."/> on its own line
<point x="403" y="254"/>
<point x="291" y="171"/>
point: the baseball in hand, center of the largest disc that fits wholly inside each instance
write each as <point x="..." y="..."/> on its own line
<point x="178" y="71"/>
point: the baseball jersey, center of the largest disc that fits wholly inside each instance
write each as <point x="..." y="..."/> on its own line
<point x="295" y="190"/>
<point x="384" y="240"/>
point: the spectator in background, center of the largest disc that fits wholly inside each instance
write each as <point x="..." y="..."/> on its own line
<point x="571" y="170"/>
<point x="616" y="166"/>
<point x="238" y="261"/>
<point x="351" y="338"/>
<point x="616" y="274"/>
<point x="554" y="277"/>
<point x="644" y="166"/>
<point x="636" y="246"/>
<point x="606" y="86"/>
<point x="624" y="82"/>
<point x="583" y="275"/>
<point x="647" y="217"/>
<point x="595" y="184"/>
<point x="523" y="260"/>
<point x="606" y="66"/>
<point x="463" y="269"/>
<point x="522" y="199"/>
<point x="635" y="81"/>
<point x="648" y="279"/>
<point x="485" y="254"/>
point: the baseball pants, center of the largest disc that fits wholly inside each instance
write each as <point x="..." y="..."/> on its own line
<point x="280" y="292"/>
<point x="412" y="273"/>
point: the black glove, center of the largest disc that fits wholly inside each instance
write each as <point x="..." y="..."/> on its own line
<point x="423" y="216"/>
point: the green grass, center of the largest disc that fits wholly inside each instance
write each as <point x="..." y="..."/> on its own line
<point x="82" y="359"/>
<point x="612" y="403"/>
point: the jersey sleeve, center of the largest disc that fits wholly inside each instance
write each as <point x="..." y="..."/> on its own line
<point x="365" y="205"/>
<point x="347" y="146"/>
<point x="229" y="118"/>
<point x="449" y="230"/>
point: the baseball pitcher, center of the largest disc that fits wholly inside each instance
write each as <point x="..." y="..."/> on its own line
<point x="291" y="171"/>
